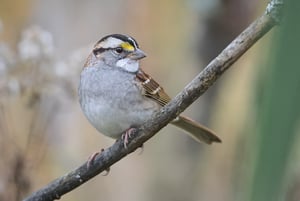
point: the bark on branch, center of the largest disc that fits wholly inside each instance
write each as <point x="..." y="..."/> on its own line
<point x="189" y="94"/>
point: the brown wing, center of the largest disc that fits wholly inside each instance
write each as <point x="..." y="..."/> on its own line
<point x="152" y="88"/>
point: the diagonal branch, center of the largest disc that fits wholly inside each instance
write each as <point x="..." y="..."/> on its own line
<point x="190" y="93"/>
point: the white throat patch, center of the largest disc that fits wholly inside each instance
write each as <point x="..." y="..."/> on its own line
<point x="128" y="65"/>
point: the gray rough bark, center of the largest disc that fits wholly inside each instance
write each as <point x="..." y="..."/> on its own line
<point x="186" y="97"/>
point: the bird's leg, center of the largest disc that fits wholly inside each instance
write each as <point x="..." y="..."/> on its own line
<point x="91" y="161"/>
<point x="127" y="135"/>
<point x="91" y="158"/>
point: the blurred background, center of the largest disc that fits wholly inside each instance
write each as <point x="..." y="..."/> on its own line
<point x="253" y="107"/>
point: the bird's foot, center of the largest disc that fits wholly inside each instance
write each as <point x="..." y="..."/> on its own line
<point x="127" y="135"/>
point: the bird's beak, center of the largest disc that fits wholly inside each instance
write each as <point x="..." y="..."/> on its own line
<point x="137" y="54"/>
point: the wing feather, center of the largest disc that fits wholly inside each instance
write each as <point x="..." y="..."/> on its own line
<point x="152" y="88"/>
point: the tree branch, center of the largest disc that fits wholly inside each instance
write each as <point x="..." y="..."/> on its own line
<point x="190" y="93"/>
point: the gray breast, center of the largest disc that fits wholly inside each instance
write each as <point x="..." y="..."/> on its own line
<point x="112" y="100"/>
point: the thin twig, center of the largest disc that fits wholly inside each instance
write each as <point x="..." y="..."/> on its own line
<point x="190" y="93"/>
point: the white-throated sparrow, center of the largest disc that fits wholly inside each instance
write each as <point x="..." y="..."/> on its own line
<point x="116" y="95"/>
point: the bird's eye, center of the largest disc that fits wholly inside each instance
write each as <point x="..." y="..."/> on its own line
<point x="119" y="50"/>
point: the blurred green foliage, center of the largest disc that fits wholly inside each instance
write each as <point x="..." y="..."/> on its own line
<point x="278" y="110"/>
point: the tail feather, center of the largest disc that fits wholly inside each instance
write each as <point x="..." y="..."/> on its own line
<point x="196" y="131"/>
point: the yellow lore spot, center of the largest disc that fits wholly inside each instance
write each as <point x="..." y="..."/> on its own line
<point x="126" y="46"/>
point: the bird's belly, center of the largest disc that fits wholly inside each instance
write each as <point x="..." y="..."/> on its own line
<point x="114" y="119"/>
<point x="113" y="102"/>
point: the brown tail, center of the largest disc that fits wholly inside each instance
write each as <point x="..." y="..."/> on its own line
<point x="195" y="130"/>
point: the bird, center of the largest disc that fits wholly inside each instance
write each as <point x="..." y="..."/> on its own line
<point x="117" y="95"/>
